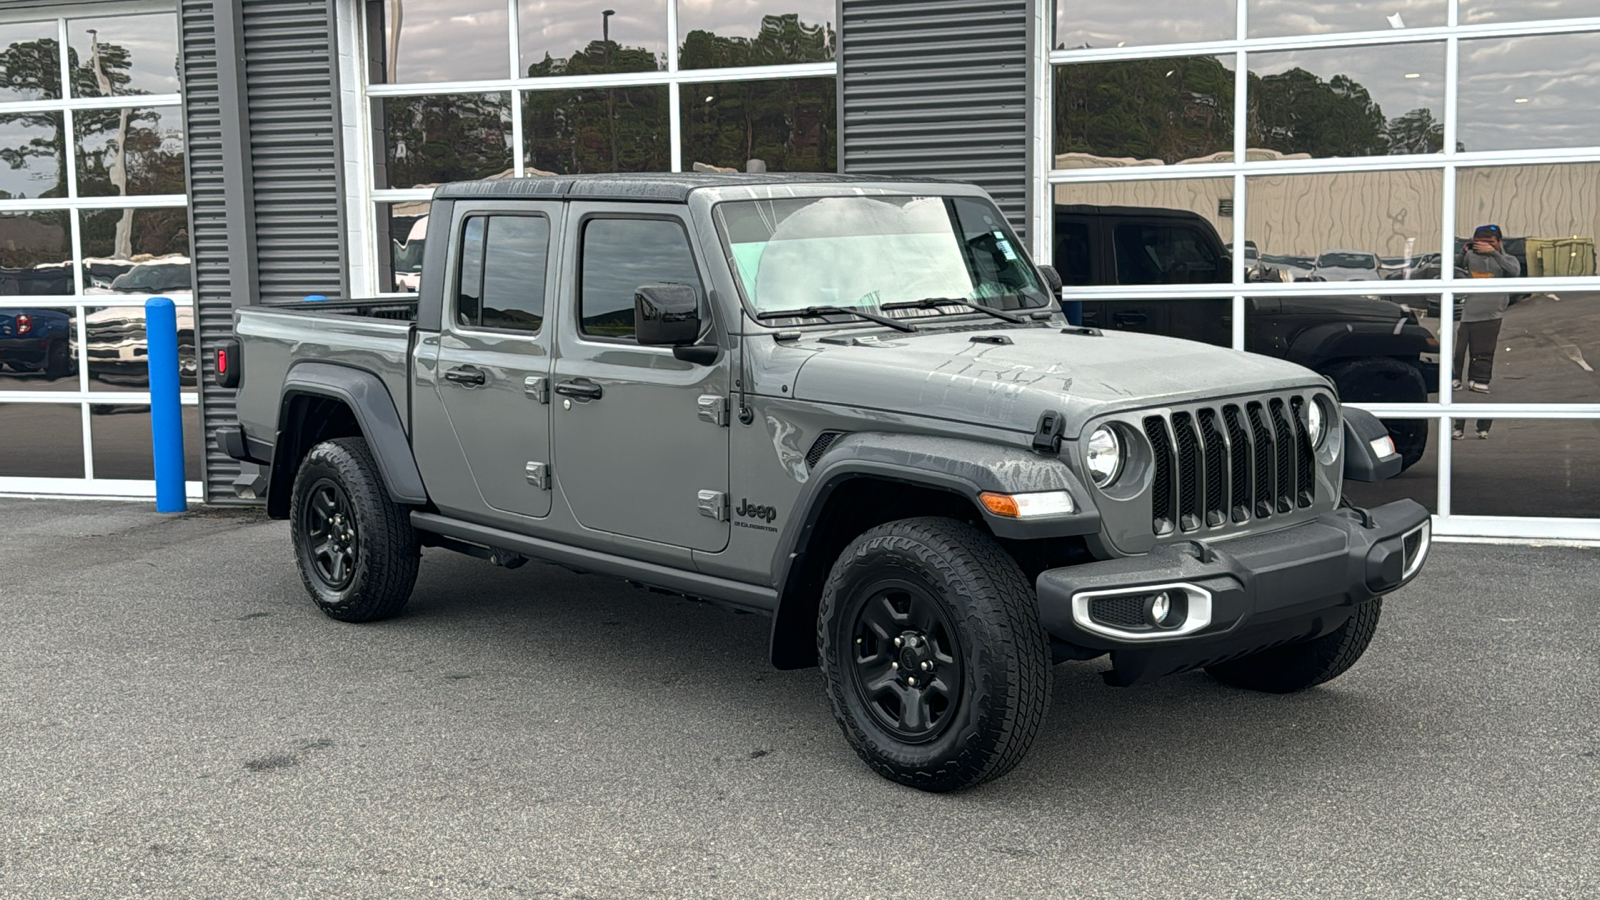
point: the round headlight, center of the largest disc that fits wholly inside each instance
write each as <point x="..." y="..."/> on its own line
<point x="1105" y="456"/>
<point x="1316" y="423"/>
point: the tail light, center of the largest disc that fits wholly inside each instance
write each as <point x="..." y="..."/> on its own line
<point x="24" y="323"/>
<point x="228" y="364"/>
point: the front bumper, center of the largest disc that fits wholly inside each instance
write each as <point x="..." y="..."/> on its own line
<point x="1237" y="596"/>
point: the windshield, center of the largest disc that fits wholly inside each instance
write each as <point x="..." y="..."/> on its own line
<point x="1348" y="260"/>
<point x="870" y="253"/>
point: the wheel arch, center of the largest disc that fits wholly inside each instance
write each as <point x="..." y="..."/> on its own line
<point x="322" y="401"/>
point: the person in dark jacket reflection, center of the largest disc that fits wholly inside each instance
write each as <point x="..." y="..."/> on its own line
<point x="1481" y="315"/>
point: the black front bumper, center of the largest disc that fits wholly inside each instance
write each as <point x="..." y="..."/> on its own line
<point x="1256" y="592"/>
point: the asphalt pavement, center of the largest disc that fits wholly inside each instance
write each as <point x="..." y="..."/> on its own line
<point x="177" y="720"/>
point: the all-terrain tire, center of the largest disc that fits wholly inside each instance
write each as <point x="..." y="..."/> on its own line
<point x="963" y="603"/>
<point x="1379" y="379"/>
<point x="354" y="545"/>
<point x="1295" y="667"/>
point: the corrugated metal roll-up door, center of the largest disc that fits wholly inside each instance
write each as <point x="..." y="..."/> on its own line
<point x="937" y="88"/>
<point x="265" y="183"/>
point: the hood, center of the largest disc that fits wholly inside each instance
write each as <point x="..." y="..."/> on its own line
<point x="1344" y="308"/>
<point x="968" y="376"/>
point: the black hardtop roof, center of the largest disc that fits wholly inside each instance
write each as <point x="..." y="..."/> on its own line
<point x="659" y="187"/>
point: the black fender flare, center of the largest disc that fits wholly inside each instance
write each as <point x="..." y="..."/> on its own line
<point x="1322" y="344"/>
<point x="375" y="412"/>
<point x="960" y="467"/>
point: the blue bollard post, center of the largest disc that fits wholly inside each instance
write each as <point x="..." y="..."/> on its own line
<point x="166" y="417"/>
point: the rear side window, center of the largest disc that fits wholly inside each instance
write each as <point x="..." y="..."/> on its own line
<point x="1072" y="252"/>
<point x="503" y="264"/>
<point x="619" y="255"/>
<point x="1164" y="254"/>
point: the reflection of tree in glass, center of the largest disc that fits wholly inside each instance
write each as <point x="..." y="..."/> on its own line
<point x="786" y="123"/>
<point x="1167" y="109"/>
<point x="150" y="232"/>
<point x="1297" y="112"/>
<point x="620" y="129"/>
<point x="35" y="67"/>
<point x="434" y="139"/>
<point x="1416" y="132"/>
<point x="782" y="39"/>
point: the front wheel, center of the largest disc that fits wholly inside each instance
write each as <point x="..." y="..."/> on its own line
<point x="355" y="546"/>
<point x="936" y="665"/>
<point x="1284" y="670"/>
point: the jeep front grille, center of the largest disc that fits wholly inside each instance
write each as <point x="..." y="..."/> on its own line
<point x="1228" y="464"/>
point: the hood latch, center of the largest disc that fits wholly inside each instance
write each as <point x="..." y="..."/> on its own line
<point x="1047" y="436"/>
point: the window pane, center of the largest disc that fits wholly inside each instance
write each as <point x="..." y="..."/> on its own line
<point x="1089" y="216"/>
<point x="129" y="151"/>
<point x="35" y="253"/>
<point x="619" y="255"/>
<point x="30" y="64"/>
<point x="119" y="55"/>
<point x="1479" y="12"/>
<point x="1352" y="101"/>
<point x="32" y="150"/>
<point x="1162" y="253"/>
<point x="1341" y="227"/>
<point x="1542" y="467"/>
<point x="1144" y="112"/>
<point x="122" y="444"/>
<point x="406" y="225"/>
<point x="1278" y="18"/>
<point x="38" y="349"/>
<point x="430" y="140"/>
<point x="558" y="39"/>
<point x="469" y="289"/>
<point x="421" y="41"/>
<point x="118" y="349"/>
<point x="514" y="272"/>
<point x="43" y="440"/>
<point x="717" y="35"/>
<point x="785" y="124"/>
<point x="1419" y="482"/>
<point x="1080" y="23"/>
<point x="136" y="251"/>
<point x="622" y="129"/>
<point x="1529" y="93"/>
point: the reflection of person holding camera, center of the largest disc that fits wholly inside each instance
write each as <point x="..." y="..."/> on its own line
<point x="1485" y="257"/>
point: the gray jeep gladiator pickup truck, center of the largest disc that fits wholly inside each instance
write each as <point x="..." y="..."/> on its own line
<point x="850" y="403"/>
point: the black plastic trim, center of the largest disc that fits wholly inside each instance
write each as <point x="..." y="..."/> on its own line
<point x="375" y="411"/>
<point x="1361" y="463"/>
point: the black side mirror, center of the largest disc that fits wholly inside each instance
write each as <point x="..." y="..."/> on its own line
<point x="1052" y="279"/>
<point x="666" y="315"/>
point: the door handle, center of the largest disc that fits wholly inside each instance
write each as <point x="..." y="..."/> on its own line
<point x="1130" y="318"/>
<point x="579" y="388"/>
<point x="466" y="375"/>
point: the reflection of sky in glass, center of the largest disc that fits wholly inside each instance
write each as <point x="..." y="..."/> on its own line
<point x="1478" y="12"/>
<point x="1526" y="93"/>
<point x="44" y="79"/>
<point x="40" y="167"/>
<point x="1086" y="23"/>
<point x="1278" y="18"/>
<point x="446" y="40"/>
<point x="151" y="42"/>
<point x="1381" y="70"/>
<point x="560" y="28"/>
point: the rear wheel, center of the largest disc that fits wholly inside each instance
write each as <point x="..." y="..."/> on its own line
<point x="1284" y="670"/>
<point x="355" y="546"/>
<point x="1380" y="379"/>
<point x="937" y="667"/>
<point x="58" y="361"/>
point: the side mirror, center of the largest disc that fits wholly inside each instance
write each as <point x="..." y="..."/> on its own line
<point x="666" y="315"/>
<point x="1052" y="279"/>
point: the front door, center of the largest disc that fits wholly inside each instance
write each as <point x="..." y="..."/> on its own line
<point x="494" y="356"/>
<point x="641" y="440"/>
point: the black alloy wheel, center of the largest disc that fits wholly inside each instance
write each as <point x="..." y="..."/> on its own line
<point x="333" y="542"/>
<point x="908" y="669"/>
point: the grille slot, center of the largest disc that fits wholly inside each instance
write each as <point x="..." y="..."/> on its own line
<point x="1126" y="612"/>
<point x="820" y="446"/>
<point x="1216" y="466"/>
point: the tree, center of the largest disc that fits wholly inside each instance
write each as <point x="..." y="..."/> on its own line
<point x="34" y="67"/>
<point x="1297" y="112"/>
<point x="1166" y="109"/>
<point x="1416" y="132"/>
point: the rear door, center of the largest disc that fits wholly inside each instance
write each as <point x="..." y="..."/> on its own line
<point x="493" y="367"/>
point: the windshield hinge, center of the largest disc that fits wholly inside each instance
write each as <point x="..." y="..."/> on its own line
<point x="1047" y="437"/>
<point x="713" y="408"/>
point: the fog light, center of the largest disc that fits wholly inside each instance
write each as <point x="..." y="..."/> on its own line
<point x="1160" y="605"/>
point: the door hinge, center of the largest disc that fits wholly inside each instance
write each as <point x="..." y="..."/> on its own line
<point x="714" y="409"/>
<point x="714" y="505"/>
<point x="538" y="475"/>
<point x="537" y="387"/>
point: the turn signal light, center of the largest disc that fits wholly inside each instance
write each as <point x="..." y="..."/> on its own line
<point x="1028" y="506"/>
<point x="24" y="323"/>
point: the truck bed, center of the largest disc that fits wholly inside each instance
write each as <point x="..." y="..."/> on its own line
<point x="374" y="335"/>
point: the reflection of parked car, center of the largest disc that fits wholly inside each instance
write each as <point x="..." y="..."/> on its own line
<point x="1346" y="265"/>
<point x="407" y="257"/>
<point x="45" y="278"/>
<point x="36" y="340"/>
<point x="118" y="349"/>
<point x="1370" y="348"/>
<point x="1298" y="268"/>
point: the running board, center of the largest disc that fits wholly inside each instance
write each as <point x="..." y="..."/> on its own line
<point x="694" y="584"/>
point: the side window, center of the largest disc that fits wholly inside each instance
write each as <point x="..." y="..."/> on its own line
<point x="469" y="289"/>
<point x="618" y="256"/>
<point x="1164" y="254"/>
<point x="503" y="261"/>
<point x="1072" y="252"/>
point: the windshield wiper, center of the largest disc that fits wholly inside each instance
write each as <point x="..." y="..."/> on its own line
<point x="936" y="302"/>
<point x="815" y="311"/>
